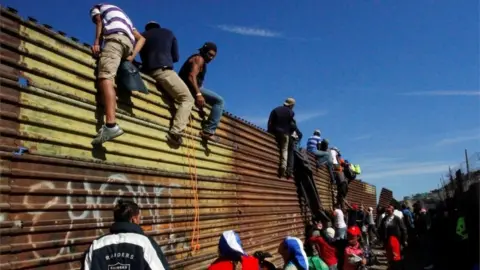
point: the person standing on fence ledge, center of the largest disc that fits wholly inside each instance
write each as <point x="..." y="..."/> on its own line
<point x="126" y="247"/>
<point x="158" y="56"/>
<point x="280" y="124"/>
<point x="121" y="41"/>
<point x="193" y="74"/>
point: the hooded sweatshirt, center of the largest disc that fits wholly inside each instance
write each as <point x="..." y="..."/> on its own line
<point x="326" y="249"/>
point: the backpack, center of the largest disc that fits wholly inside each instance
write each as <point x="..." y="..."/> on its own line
<point x="129" y="78"/>
<point x="349" y="172"/>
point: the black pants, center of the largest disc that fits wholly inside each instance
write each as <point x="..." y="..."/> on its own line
<point x="396" y="265"/>
<point x="342" y="190"/>
<point x="290" y="159"/>
<point x="372" y="230"/>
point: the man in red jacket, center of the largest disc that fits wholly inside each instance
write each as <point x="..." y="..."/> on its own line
<point x="325" y="247"/>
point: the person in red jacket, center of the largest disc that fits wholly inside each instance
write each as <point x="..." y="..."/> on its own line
<point x="230" y="254"/>
<point x="326" y="248"/>
<point x="353" y="254"/>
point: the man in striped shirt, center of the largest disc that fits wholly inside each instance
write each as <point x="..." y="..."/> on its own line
<point x="314" y="146"/>
<point x="313" y="141"/>
<point x="121" y="41"/>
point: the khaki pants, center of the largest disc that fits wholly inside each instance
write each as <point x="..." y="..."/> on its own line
<point x="282" y="141"/>
<point x="116" y="47"/>
<point x="178" y="90"/>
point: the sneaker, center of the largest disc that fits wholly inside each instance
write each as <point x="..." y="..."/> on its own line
<point x="106" y="134"/>
<point x="206" y="135"/>
<point x="281" y="172"/>
<point x="429" y="267"/>
<point x="174" y="138"/>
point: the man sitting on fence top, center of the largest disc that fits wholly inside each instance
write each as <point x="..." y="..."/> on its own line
<point x="313" y="141"/>
<point x="193" y="74"/>
<point x="121" y="41"/>
<point x="318" y="148"/>
<point x="126" y="246"/>
<point x="158" y="55"/>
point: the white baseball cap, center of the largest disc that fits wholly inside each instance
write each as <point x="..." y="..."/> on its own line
<point x="331" y="232"/>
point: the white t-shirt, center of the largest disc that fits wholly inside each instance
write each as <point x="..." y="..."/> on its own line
<point x="334" y="156"/>
<point x="398" y="213"/>
<point x="339" y="219"/>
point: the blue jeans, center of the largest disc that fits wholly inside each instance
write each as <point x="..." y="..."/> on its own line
<point x="341" y="233"/>
<point x="333" y="267"/>
<point x="322" y="157"/>
<point x="217" y="103"/>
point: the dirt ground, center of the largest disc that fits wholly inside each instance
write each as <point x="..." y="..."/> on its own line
<point x="411" y="261"/>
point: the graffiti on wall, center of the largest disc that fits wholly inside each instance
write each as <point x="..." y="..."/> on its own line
<point x="93" y="198"/>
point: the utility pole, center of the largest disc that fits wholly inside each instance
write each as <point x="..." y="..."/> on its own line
<point x="468" y="164"/>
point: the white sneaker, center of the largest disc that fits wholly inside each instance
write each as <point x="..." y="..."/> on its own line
<point x="106" y="134"/>
<point x="429" y="267"/>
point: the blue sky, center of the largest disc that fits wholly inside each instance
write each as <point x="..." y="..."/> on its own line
<point x="393" y="84"/>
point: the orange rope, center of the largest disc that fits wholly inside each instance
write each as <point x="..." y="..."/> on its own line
<point x="192" y="169"/>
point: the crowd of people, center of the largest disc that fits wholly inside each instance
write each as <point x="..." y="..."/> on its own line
<point x="337" y="247"/>
<point x="443" y="238"/>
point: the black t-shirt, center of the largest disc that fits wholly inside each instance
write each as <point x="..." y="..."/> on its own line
<point x="324" y="145"/>
<point x="185" y="72"/>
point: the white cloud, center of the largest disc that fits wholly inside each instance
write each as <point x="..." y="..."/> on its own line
<point x="362" y="137"/>
<point x="458" y="139"/>
<point x="249" y="31"/>
<point x="306" y="116"/>
<point x="406" y="169"/>
<point x="299" y="117"/>
<point x="443" y="93"/>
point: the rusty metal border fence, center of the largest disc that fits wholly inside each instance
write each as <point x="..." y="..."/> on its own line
<point x="57" y="191"/>
<point x="386" y="197"/>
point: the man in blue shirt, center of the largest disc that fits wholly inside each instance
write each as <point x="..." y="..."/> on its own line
<point x="158" y="56"/>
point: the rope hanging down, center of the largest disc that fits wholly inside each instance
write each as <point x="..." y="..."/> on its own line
<point x="192" y="169"/>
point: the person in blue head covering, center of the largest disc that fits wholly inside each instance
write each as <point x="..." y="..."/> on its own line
<point x="230" y="246"/>
<point x="231" y="254"/>
<point x="293" y="254"/>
